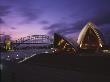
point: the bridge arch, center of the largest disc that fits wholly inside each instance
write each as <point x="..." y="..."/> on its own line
<point x="35" y="40"/>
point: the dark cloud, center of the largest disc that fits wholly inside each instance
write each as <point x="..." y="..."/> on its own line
<point x="62" y="28"/>
<point x="13" y="28"/>
<point x="101" y="17"/>
<point x="105" y="29"/>
<point x="29" y="13"/>
<point x="56" y="27"/>
<point x="1" y="21"/>
<point x="4" y="10"/>
<point x="24" y="8"/>
<point x="44" y="22"/>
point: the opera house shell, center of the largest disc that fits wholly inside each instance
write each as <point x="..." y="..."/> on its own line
<point x="90" y="37"/>
<point x="62" y="45"/>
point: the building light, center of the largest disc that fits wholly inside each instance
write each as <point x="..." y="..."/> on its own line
<point x="81" y="44"/>
<point x="106" y="51"/>
<point x="60" y="42"/>
<point x="64" y="46"/>
<point x="51" y="48"/>
<point x="100" y="45"/>
<point x="17" y="58"/>
<point x="46" y="52"/>
<point x="55" y="50"/>
<point x="26" y="58"/>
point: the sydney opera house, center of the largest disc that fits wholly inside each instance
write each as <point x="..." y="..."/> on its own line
<point x="90" y="39"/>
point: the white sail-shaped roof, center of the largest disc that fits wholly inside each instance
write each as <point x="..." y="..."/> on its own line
<point x="82" y="34"/>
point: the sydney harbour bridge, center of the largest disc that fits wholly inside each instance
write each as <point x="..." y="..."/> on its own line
<point x="34" y="40"/>
<point x="26" y="46"/>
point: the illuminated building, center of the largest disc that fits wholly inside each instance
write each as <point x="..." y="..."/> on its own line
<point x="7" y="43"/>
<point x="62" y="45"/>
<point x="90" y="38"/>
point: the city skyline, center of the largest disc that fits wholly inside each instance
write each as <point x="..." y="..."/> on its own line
<point x="20" y="18"/>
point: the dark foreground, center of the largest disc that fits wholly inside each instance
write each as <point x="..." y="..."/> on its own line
<point x="58" y="69"/>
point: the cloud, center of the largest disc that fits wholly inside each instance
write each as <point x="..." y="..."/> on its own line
<point x="30" y="13"/>
<point x="102" y="17"/>
<point x="105" y="29"/>
<point x="4" y="10"/>
<point x="44" y="22"/>
<point x="99" y="18"/>
<point x="23" y="8"/>
<point x="13" y="28"/>
<point x="65" y="28"/>
<point x="1" y="21"/>
<point x="57" y="27"/>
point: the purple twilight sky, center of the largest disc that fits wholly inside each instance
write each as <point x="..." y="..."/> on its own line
<point x="20" y="18"/>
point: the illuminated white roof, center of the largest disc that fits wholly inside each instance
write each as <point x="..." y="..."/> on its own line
<point x="85" y="29"/>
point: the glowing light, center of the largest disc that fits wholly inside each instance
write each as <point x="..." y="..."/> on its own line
<point x="81" y="44"/>
<point x="61" y="42"/>
<point x="26" y="58"/>
<point x="64" y="46"/>
<point x="106" y="51"/>
<point x="17" y="58"/>
<point x="46" y="52"/>
<point x="51" y="48"/>
<point x="100" y="45"/>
